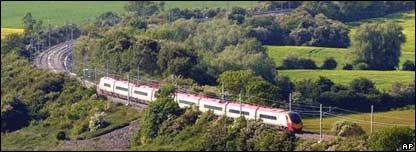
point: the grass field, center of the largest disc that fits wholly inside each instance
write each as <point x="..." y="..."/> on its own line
<point x="77" y="12"/>
<point x="383" y="79"/>
<point x="381" y="120"/>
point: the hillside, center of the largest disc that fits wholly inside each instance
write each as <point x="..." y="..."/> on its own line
<point x="46" y="104"/>
<point x="60" y="12"/>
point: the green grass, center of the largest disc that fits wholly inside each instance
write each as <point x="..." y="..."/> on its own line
<point x="79" y="11"/>
<point x="318" y="54"/>
<point x="403" y="118"/>
<point x="383" y="79"/>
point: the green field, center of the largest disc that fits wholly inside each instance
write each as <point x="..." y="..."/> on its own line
<point x="383" y="79"/>
<point x="318" y="54"/>
<point x="59" y="12"/>
<point x="381" y="120"/>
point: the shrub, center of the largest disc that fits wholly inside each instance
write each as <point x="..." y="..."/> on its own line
<point x="61" y="135"/>
<point x="362" y="85"/>
<point x="346" y="128"/>
<point x="408" y="66"/>
<point x="291" y="62"/>
<point x="391" y="139"/>
<point x="347" y="66"/>
<point x="361" y="66"/>
<point x="329" y="63"/>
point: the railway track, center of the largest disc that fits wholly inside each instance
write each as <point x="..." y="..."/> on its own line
<point x="57" y="59"/>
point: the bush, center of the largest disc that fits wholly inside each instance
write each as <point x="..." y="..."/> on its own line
<point x="291" y="62"/>
<point x="61" y="135"/>
<point x="346" y="128"/>
<point x="408" y="66"/>
<point x="329" y="63"/>
<point x="361" y="66"/>
<point x="362" y="85"/>
<point x="347" y="66"/>
<point x="391" y="139"/>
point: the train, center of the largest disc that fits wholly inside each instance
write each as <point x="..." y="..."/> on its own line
<point x="142" y="93"/>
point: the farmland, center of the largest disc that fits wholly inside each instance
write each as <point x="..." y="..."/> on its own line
<point x="60" y="12"/>
<point x="7" y="31"/>
<point x="381" y="119"/>
<point x="383" y="79"/>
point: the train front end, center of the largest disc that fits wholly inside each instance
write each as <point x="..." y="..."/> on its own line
<point x="295" y="124"/>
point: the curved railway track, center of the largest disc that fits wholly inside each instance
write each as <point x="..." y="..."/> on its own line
<point x="57" y="59"/>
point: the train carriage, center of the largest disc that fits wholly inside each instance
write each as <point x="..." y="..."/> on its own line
<point x="143" y="92"/>
<point x="106" y="86"/>
<point x="217" y="106"/>
<point x="248" y="111"/>
<point x="186" y="100"/>
<point x="272" y="116"/>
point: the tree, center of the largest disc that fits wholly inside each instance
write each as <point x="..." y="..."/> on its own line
<point x="143" y="8"/>
<point x="176" y="59"/>
<point x="378" y="45"/>
<point x="235" y="81"/>
<point x="29" y="23"/>
<point x="329" y="63"/>
<point x="363" y="85"/>
<point x="408" y="66"/>
<point x="324" y="84"/>
<point x="391" y="138"/>
<point x="107" y="19"/>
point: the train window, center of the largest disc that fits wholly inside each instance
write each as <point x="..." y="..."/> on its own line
<point x="294" y="117"/>
<point x="107" y="85"/>
<point x="213" y="107"/>
<point x="186" y="102"/>
<point x="121" y="88"/>
<point x="267" y="117"/>
<point x="238" y="112"/>
<point x="140" y="93"/>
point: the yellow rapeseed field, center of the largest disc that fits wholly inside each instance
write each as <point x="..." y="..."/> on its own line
<point x="7" y="31"/>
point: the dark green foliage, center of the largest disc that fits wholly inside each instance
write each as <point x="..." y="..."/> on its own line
<point x="363" y="85"/>
<point x="137" y="23"/>
<point x="391" y="139"/>
<point x="404" y="93"/>
<point x="12" y="109"/>
<point x="329" y="63"/>
<point x="314" y="30"/>
<point x="237" y="14"/>
<point x="286" y="86"/>
<point x="107" y="19"/>
<point x="267" y="30"/>
<point x="291" y="62"/>
<point x="347" y="66"/>
<point x="408" y="66"/>
<point x="14" y="43"/>
<point x="176" y="59"/>
<point x="356" y="10"/>
<point x="378" y="45"/>
<point x="61" y="135"/>
<point x="163" y="109"/>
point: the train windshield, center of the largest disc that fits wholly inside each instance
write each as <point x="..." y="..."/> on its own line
<point x="295" y="118"/>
